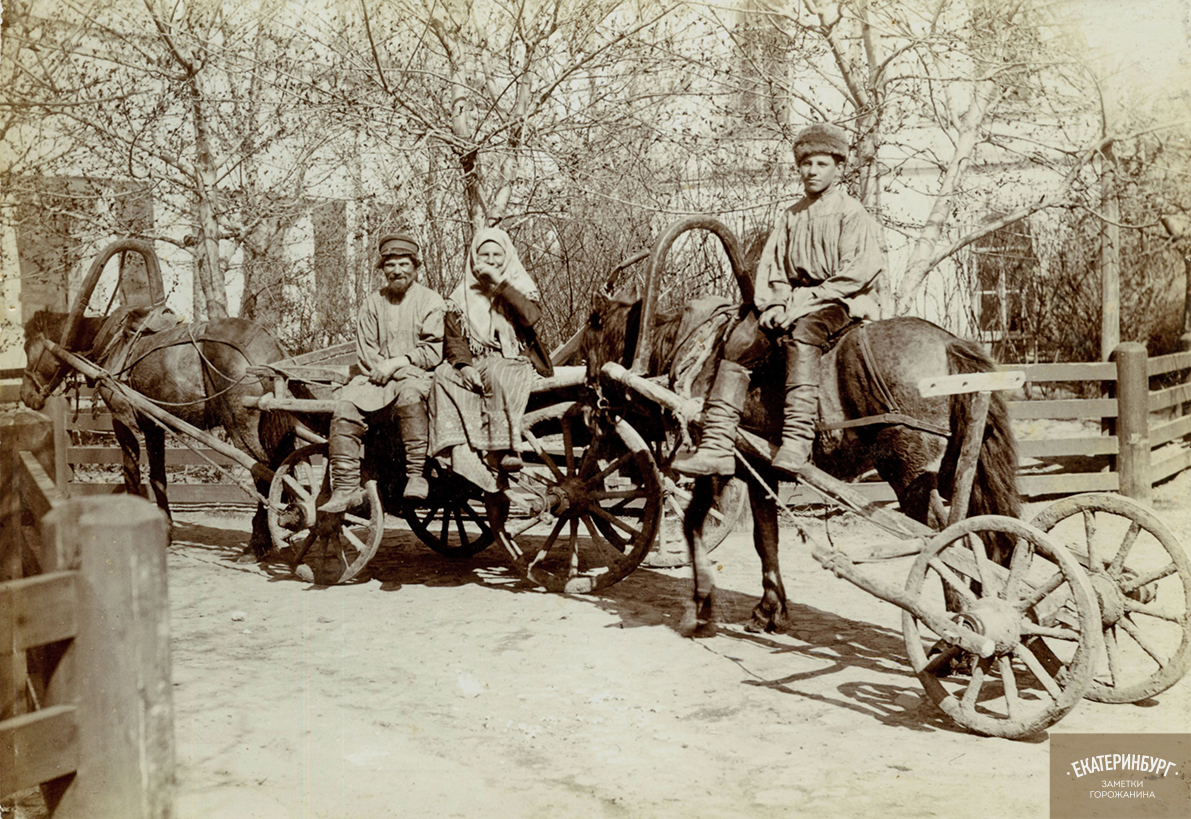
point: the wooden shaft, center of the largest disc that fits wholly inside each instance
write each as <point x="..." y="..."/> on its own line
<point x="938" y="621"/>
<point x="142" y="404"/>
<point x="817" y="479"/>
<point x="969" y="457"/>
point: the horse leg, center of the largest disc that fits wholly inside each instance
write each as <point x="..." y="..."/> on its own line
<point x="771" y="613"/>
<point x="275" y="431"/>
<point x="155" y="449"/>
<point x="130" y="451"/>
<point x="699" y="618"/>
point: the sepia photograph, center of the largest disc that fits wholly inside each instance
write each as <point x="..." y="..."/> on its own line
<point x="640" y="409"/>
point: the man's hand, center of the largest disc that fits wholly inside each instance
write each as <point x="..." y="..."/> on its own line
<point x="385" y="370"/>
<point x="776" y="317"/>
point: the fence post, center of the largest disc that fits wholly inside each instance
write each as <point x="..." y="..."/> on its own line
<point x="56" y="407"/>
<point x="20" y="429"/>
<point x="117" y="669"/>
<point x="1133" y="420"/>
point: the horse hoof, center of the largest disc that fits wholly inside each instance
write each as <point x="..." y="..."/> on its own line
<point x="304" y="573"/>
<point x="694" y="626"/>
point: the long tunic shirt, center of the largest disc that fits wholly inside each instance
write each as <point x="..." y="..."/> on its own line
<point x="385" y="329"/>
<point x="821" y="252"/>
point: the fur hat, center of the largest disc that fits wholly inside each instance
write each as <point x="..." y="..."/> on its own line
<point x="821" y="138"/>
<point x="399" y="244"/>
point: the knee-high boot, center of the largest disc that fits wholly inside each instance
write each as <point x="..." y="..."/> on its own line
<point x="802" y="407"/>
<point x="344" y="449"/>
<point x="721" y="416"/>
<point x="415" y="437"/>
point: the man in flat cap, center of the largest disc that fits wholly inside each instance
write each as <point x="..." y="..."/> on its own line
<point x="816" y="275"/>
<point x="399" y="338"/>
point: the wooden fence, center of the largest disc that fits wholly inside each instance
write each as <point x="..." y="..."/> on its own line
<point x="85" y="695"/>
<point x="1153" y="424"/>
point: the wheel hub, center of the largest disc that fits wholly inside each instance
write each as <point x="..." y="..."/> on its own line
<point x="996" y="619"/>
<point x="1110" y="598"/>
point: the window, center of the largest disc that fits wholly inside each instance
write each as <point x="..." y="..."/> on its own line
<point x="1005" y="272"/>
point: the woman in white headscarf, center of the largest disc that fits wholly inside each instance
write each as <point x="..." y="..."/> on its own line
<point x="491" y="354"/>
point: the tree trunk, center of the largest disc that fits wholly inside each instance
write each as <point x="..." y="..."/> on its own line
<point x="985" y="97"/>
<point x="209" y="272"/>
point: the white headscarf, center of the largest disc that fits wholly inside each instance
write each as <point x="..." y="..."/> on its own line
<point x="486" y="327"/>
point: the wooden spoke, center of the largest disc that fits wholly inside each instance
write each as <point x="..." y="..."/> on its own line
<point x="1146" y="646"/>
<point x="941" y="662"/>
<point x="1039" y="594"/>
<point x="1040" y="673"/>
<point x="351" y="537"/>
<point x="298" y="489"/>
<point x="1019" y="565"/>
<point x="1149" y="610"/>
<point x="545" y="456"/>
<point x="1149" y="577"/>
<point x="568" y="448"/>
<point x="957" y="584"/>
<point x="983" y="564"/>
<point x="1049" y="631"/>
<point x="972" y="694"/>
<point x="1012" y="701"/>
<point x="1089" y="528"/>
<point x="614" y="494"/>
<point x="615" y="466"/>
<point x="615" y="521"/>
<point x="355" y="520"/>
<point x="1112" y="651"/>
<point x="545" y="547"/>
<point x="1130" y="538"/>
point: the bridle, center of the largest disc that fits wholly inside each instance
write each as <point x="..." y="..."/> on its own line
<point x="33" y="374"/>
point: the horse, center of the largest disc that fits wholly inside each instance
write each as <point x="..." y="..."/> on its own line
<point x="195" y="372"/>
<point x="870" y="367"/>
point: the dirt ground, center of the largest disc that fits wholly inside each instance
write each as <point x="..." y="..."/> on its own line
<point x="452" y="689"/>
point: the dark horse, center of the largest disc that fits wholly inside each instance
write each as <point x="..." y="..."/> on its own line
<point x="869" y="372"/>
<point x="195" y="372"/>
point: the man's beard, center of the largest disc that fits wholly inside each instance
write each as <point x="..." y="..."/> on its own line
<point x="398" y="288"/>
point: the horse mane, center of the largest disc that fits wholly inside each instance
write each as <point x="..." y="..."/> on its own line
<point x="50" y="323"/>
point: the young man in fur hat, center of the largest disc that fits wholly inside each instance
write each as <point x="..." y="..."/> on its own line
<point x="399" y="339"/>
<point x="816" y="275"/>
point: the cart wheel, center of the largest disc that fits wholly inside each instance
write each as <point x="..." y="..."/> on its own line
<point x="1142" y="581"/>
<point x="671" y="549"/>
<point x="294" y="497"/>
<point x="451" y="521"/>
<point x="1040" y="612"/>
<point x="323" y="549"/>
<point x="585" y="515"/>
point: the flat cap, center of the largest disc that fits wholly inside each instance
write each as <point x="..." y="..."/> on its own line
<point x="398" y="244"/>
<point x="821" y="138"/>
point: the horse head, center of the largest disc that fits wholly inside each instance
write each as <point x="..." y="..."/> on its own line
<point x="44" y="371"/>
<point x="611" y="331"/>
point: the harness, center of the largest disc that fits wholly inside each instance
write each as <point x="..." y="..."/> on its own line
<point x="893" y="416"/>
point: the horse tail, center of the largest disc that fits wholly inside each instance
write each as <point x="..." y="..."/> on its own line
<point x="994" y="489"/>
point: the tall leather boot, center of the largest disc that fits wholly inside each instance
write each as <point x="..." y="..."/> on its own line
<point x="344" y="449"/>
<point x="802" y="407"/>
<point x="415" y="437"/>
<point x="721" y="416"/>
